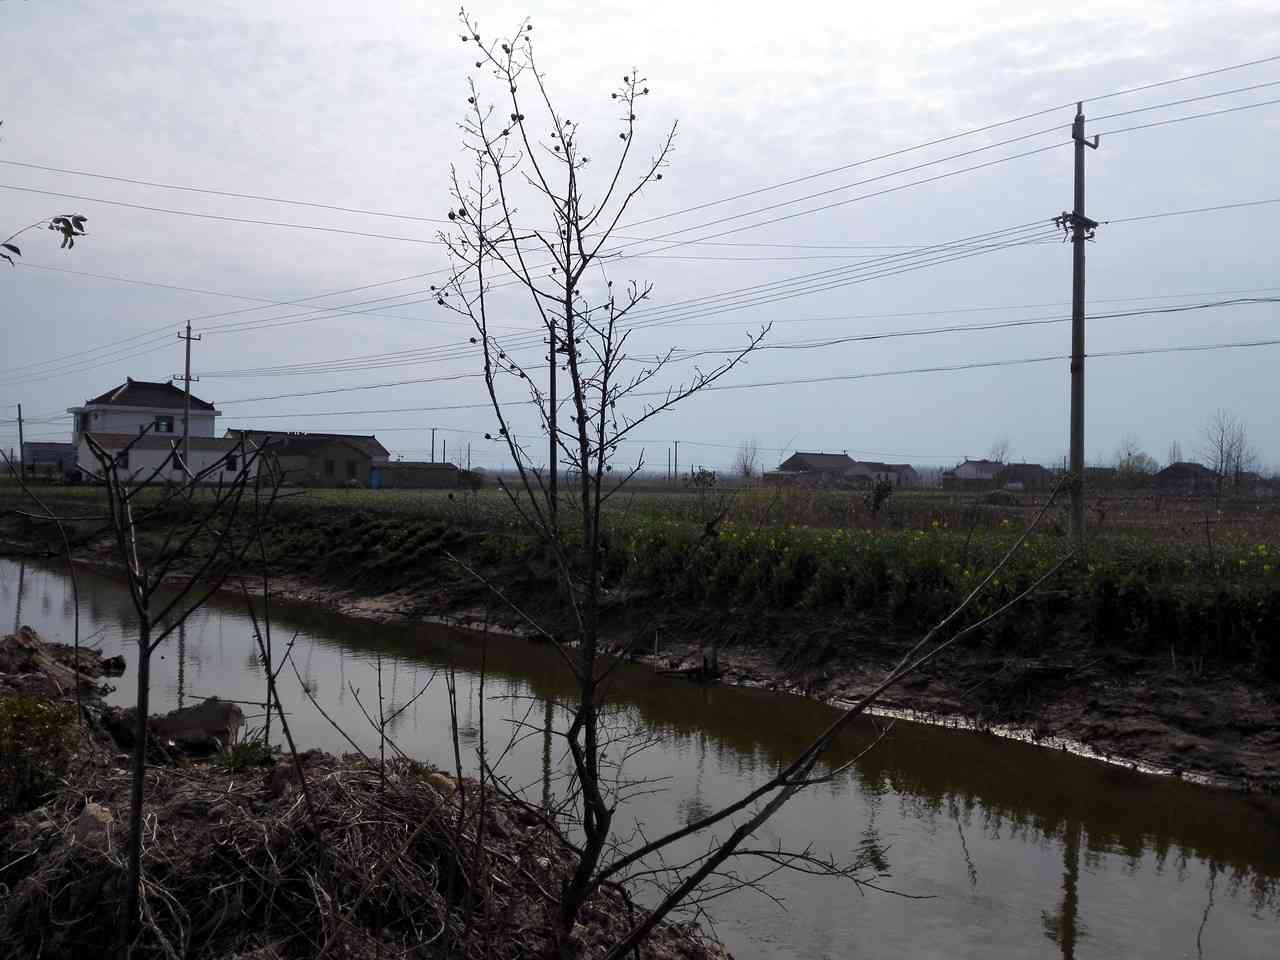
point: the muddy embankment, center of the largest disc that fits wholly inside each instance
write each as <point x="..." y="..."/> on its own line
<point x="1045" y="675"/>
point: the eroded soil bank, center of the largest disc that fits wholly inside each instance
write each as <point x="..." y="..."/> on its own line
<point x="1210" y="723"/>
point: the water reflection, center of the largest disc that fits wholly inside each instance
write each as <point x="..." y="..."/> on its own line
<point x="1024" y="851"/>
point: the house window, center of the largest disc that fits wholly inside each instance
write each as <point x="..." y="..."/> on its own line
<point x="329" y="468"/>
<point x="122" y="460"/>
<point x="164" y="424"/>
<point x="231" y="461"/>
<point x="351" y="469"/>
<point x="84" y="423"/>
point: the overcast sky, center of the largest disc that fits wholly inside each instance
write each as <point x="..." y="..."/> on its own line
<point x="359" y="109"/>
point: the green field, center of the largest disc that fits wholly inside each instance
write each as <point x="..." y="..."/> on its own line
<point x="1199" y="578"/>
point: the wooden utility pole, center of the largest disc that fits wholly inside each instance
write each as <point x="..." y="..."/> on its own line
<point x="1082" y="229"/>
<point x="676" y="474"/>
<point x="22" y="453"/>
<point x="186" y="402"/>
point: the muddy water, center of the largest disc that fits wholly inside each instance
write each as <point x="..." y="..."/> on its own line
<point x="1014" y="851"/>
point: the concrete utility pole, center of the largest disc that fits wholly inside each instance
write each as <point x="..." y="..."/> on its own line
<point x="186" y="403"/>
<point x="1082" y="229"/>
<point x="22" y="455"/>
<point x="468" y="456"/>
<point x="433" y="444"/>
<point x="677" y="464"/>
<point x="553" y="499"/>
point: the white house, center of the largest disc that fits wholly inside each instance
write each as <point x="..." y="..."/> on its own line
<point x="978" y="470"/>
<point x="121" y="417"/>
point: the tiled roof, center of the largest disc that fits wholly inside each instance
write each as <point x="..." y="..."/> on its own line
<point x="826" y="462"/>
<point x="145" y="393"/>
<point x="301" y="443"/>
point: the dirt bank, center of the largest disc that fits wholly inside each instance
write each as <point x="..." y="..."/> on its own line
<point x="1208" y="723"/>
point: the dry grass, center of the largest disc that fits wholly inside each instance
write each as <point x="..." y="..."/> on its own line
<point x="233" y="866"/>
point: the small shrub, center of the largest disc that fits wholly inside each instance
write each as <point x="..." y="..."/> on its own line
<point x="248" y="752"/>
<point x="37" y="741"/>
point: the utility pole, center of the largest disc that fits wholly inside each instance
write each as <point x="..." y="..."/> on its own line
<point x="676" y="475"/>
<point x="433" y="444"/>
<point x="468" y="456"/>
<point x="22" y="454"/>
<point x="186" y="402"/>
<point x="1082" y="229"/>
<point x="444" y="450"/>
<point x="552" y="481"/>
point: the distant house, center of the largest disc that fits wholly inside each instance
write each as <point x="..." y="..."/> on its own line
<point x="140" y="423"/>
<point x="1185" y="477"/>
<point x="907" y="477"/>
<point x="48" y="459"/>
<point x="815" y="468"/>
<point x="867" y="472"/>
<point x="1031" y="477"/>
<point x="972" y="474"/>
<point x="320" y="459"/>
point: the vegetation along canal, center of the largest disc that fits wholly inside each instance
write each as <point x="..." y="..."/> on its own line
<point x="1002" y="849"/>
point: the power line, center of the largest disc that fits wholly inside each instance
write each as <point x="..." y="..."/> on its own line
<point x="1194" y="116"/>
<point x="832" y="378"/>
<point x="167" y="328"/>
<point x="220" y="217"/>
<point x="951" y="137"/>
<point x="1182" y="213"/>
<point x="1186" y="100"/>
<point x="231" y="194"/>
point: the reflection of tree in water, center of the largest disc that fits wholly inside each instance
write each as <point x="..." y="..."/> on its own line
<point x="871" y="848"/>
<point x="970" y="868"/>
<point x="1064" y="927"/>
<point x="182" y="664"/>
<point x="694" y="807"/>
<point x="1208" y="908"/>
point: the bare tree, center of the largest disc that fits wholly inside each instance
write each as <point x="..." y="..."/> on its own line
<point x="197" y="546"/>
<point x="1134" y="467"/>
<point x="524" y="217"/>
<point x="1224" y="449"/>
<point x="1000" y="450"/>
<point x="746" y="463"/>
<point x="1175" y="454"/>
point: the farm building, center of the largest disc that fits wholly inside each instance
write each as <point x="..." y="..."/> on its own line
<point x="1187" y="478"/>
<point x="48" y="459"/>
<point x="1031" y="477"/>
<point x="839" y="469"/>
<point x="418" y="475"/>
<point x="815" y="468"/>
<point x="320" y="459"/>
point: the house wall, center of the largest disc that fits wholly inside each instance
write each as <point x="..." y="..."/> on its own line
<point x="143" y="462"/>
<point x="131" y="420"/>
<point x="971" y="471"/>
<point x="411" y="477"/>
<point x="348" y="464"/>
